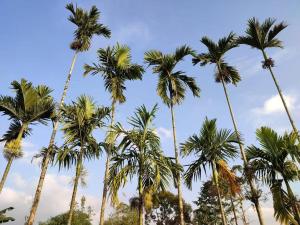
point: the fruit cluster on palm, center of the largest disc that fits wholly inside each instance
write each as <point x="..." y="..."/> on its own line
<point x="136" y="153"/>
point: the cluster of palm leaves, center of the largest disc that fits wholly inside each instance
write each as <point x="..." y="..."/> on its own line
<point x="136" y="152"/>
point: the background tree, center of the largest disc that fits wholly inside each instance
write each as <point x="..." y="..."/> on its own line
<point x="276" y="161"/>
<point x="263" y="36"/>
<point x="140" y="155"/>
<point x="3" y="217"/>
<point x="115" y="67"/>
<point x="87" y="26"/>
<point x="226" y="74"/>
<point x="171" y="88"/>
<point x="30" y="105"/>
<point x="79" y="120"/>
<point x="211" y="148"/>
<point x="123" y="215"/>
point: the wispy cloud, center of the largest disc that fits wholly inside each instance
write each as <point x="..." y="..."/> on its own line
<point x="164" y="133"/>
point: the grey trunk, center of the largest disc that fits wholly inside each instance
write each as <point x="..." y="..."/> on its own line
<point x="233" y="210"/>
<point x="181" y="215"/>
<point x="105" y="188"/>
<point x="5" y="173"/>
<point x="141" y="202"/>
<point x="46" y="158"/>
<point x="250" y="181"/>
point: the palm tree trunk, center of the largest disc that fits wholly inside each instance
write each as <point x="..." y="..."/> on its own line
<point x="11" y="158"/>
<point x="282" y="98"/>
<point x="6" y="171"/>
<point x="141" y="202"/>
<point x="215" y="177"/>
<point x="105" y="188"/>
<point x="251" y="182"/>
<point x="243" y="212"/>
<point x="181" y="216"/>
<point x="46" y="158"/>
<point x="233" y="210"/>
<point x="75" y="187"/>
<point x="293" y="199"/>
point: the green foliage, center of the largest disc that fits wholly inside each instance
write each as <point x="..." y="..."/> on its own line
<point x="3" y="217"/>
<point x="172" y="83"/>
<point x="87" y="26"/>
<point x="115" y="67"/>
<point x="123" y="215"/>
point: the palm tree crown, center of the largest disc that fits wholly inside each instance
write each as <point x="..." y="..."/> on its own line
<point x="262" y="36"/>
<point x="215" y="55"/>
<point x="172" y="83"/>
<point x="87" y="26"/>
<point x="115" y="67"/>
<point x="210" y="145"/>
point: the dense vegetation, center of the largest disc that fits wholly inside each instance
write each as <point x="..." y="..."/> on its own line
<point x="135" y="152"/>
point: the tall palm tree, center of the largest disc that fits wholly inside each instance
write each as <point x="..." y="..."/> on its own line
<point x="171" y="88"/>
<point x="227" y="74"/>
<point x="263" y="36"/>
<point x="79" y="120"/>
<point x="276" y="160"/>
<point x="140" y="155"/>
<point x="212" y="148"/>
<point x="29" y="106"/>
<point x="87" y="26"/>
<point x="115" y="67"/>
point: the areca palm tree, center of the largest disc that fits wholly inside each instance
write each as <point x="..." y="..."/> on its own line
<point x="29" y="106"/>
<point x="263" y="36"/>
<point x="171" y="88"/>
<point x="79" y="120"/>
<point x="115" y="67"/>
<point x="276" y="160"/>
<point x="87" y="26"/>
<point x="226" y="74"/>
<point x="140" y="155"/>
<point x="212" y="148"/>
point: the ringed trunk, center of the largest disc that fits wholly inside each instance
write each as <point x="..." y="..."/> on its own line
<point x="75" y="187"/>
<point x="11" y="158"/>
<point x="282" y="98"/>
<point x="181" y="216"/>
<point x="141" y="202"/>
<point x="233" y="210"/>
<point x="250" y="181"/>
<point x="105" y="188"/>
<point x="46" y="158"/>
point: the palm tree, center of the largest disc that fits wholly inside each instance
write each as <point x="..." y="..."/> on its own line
<point x="30" y="105"/>
<point x="227" y="74"/>
<point x="140" y="155"/>
<point x="274" y="161"/>
<point x="263" y="36"/>
<point x="171" y="88"/>
<point x="87" y="26"/>
<point x="115" y="67"/>
<point x="79" y="120"/>
<point x="212" y="148"/>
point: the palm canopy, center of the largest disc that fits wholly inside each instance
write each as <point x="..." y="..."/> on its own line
<point x="30" y="104"/>
<point x="277" y="155"/>
<point x="211" y="145"/>
<point x="262" y="35"/>
<point x="115" y="67"/>
<point x="79" y="120"/>
<point x="172" y="83"/>
<point x="140" y="154"/>
<point x="216" y="55"/>
<point x="87" y="26"/>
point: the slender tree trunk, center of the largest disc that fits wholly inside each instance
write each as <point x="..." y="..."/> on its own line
<point x="181" y="215"/>
<point x="75" y="187"/>
<point x="282" y="98"/>
<point x="215" y="177"/>
<point x="233" y="210"/>
<point x="46" y="158"/>
<point x="141" y="202"/>
<point x="293" y="199"/>
<point x="250" y="181"/>
<point x="105" y="188"/>
<point x="243" y="212"/>
<point x="11" y="158"/>
<point x="6" y="171"/>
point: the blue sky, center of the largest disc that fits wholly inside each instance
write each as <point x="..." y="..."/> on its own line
<point x="34" y="45"/>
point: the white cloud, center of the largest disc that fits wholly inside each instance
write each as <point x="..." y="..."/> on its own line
<point x="164" y="132"/>
<point x="274" y="105"/>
